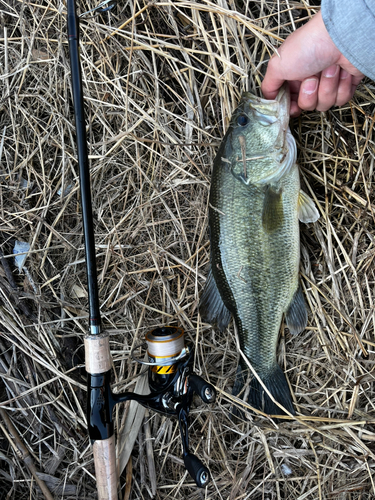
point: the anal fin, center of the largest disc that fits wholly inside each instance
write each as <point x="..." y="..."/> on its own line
<point x="296" y="314"/>
<point x="211" y="305"/>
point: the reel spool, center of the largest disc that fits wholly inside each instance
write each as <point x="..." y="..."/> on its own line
<point x="164" y="348"/>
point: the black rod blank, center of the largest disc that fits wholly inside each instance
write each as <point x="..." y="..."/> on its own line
<point x="84" y="171"/>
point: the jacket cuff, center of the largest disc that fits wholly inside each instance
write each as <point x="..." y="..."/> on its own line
<point x="351" y="25"/>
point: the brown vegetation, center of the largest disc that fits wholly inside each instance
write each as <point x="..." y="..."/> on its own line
<point x="161" y="79"/>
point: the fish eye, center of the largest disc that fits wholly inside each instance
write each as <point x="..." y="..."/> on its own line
<point x="242" y="120"/>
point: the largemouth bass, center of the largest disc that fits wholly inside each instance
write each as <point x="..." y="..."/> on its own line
<point x="254" y="207"/>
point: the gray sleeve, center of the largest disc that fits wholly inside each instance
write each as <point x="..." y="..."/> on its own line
<point x="351" y="25"/>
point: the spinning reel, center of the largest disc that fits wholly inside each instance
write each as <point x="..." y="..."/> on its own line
<point x="172" y="387"/>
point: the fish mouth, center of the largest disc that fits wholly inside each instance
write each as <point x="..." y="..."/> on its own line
<point x="283" y="98"/>
<point x="269" y="111"/>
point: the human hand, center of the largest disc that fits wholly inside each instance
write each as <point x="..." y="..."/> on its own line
<point x="319" y="75"/>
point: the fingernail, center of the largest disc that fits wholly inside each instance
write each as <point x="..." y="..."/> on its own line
<point x="309" y="86"/>
<point x="344" y="74"/>
<point x="331" y="71"/>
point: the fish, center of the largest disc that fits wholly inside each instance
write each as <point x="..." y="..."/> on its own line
<point x="255" y="205"/>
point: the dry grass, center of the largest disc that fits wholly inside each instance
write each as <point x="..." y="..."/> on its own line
<point x="161" y="79"/>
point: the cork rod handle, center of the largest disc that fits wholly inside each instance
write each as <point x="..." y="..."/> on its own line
<point x="105" y="468"/>
<point x="98" y="363"/>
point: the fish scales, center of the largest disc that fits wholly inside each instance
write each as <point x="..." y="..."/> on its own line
<point x="254" y="206"/>
<point x="258" y="272"/>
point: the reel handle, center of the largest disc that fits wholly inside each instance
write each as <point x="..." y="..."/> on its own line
<point x="205" y="390"/>
<point x="197" y="470"/>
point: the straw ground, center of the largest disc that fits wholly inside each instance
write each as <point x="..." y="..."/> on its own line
<point x="161" y="80"/>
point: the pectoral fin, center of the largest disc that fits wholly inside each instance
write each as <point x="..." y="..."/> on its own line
<point x="296" y="315"/>
<point x="273" y="213"/>
<point x="307" y="211"/>
<point x="211" y="305"/>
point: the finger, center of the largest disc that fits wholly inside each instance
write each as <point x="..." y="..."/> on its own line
<point x="329" y="80"/>
<point x="272" y="81"/>
<point x="344" y="90"/>
<point x="294" y="87"/>
<point x="295" y="110"/>
<point x="308" y="94"/>
<point x="356" y="79"/>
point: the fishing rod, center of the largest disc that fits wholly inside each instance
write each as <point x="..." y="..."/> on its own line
<point x="172" y="381"/>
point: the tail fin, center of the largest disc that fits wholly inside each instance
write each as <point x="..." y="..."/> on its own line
<point x="277" y="386"/>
